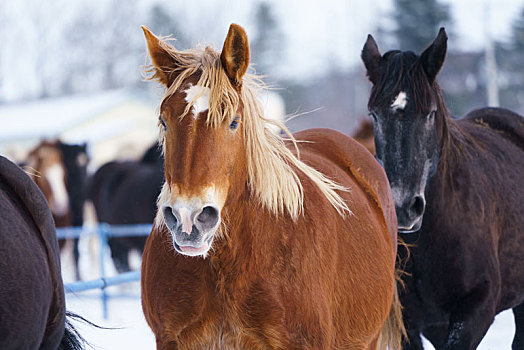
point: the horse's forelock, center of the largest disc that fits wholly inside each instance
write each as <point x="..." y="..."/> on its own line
<point x="401" y="71"/>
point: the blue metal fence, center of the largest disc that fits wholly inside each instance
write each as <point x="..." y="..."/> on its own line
<point x="103" y="231"/>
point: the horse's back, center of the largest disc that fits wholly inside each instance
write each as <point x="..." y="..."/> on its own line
<point x="494" y="151"/>
<point x="357" y="161"/>
<point x="105" y="183"/>
<point x="508" y="124"/>
<point x="32" y="307"/>
<point x="126" y="192"/>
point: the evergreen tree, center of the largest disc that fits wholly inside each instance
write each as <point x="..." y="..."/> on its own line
<point x="511" y="75"/>
<point x="417" y="23"/>
<point x="268" y="40"/>
<point x="162" y="23"/>
<point x="517" y="37"/>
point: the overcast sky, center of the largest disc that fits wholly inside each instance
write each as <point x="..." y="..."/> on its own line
<point x="320" y="33"/>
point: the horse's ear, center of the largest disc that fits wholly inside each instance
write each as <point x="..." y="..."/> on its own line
<point x="371" y="57"/>
<point x="163" y="61"/>
<point x="433" y="57"/>
<point x="235" y="54"/>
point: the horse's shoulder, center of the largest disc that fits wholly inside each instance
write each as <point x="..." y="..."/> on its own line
<point x="507" y="123"/>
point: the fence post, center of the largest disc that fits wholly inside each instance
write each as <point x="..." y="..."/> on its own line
<point x="104" y="232"/>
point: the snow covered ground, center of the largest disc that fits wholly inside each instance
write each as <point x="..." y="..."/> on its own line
<point x="125" y="315"/>
<point x="131" y="330"/>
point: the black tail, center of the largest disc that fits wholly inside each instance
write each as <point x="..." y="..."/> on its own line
<point x="71" y="340"/>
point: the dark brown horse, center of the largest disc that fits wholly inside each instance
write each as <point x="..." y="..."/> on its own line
<point x="32" y="303"/>
<point x="60" y="171"/>
<point x="254" y="247"/>
<point x="458" y="188"/>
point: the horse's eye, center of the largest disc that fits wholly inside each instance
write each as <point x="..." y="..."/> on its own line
<point x="163" y="123"/>
<point x="431" y="115"/>
<point x="234" y="124"/>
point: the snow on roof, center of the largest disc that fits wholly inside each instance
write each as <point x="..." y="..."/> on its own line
<point x="48" y="118"/>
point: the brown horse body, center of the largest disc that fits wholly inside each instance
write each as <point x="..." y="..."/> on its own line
<point x="59" y="170"/>
<point x="275" y="283"/>
<point x="285" y="276"/>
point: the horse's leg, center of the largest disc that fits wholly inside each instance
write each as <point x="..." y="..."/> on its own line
<point x="119" y="254"/>
<point x="414" y="342"/>
<point x="413" y="308"/>
<point x="471" y="318"/>
<point x="76" y="258"/>
<point x="518" y="340"/>
<point x="436" y="334"/>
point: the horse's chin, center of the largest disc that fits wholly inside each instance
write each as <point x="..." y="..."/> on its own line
<point x="411" y="229"/>
<point x="194" y="249"/>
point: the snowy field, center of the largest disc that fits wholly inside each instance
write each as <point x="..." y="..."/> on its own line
<point x="131" y="330"/>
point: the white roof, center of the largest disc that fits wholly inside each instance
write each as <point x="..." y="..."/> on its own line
<point x="72" y="119"/>
<point x="48" y="118"/>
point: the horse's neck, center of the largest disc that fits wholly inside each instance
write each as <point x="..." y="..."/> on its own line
<point x="451" y="164"/>
<point x="450" y="151"/>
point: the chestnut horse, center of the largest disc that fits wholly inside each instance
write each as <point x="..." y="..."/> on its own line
<point x="252" y="246"/>
<point x="32" y="302"/>
<point x="458" y="188"/>
<point x="60" y="171"/>
<point x="364" y="135"/>
<point x="45" y="165"/>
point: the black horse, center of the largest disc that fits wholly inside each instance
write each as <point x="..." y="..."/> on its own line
<point x="458" y="188"/>
<point x="125" y="193"/>
<point x="32" y="302"/>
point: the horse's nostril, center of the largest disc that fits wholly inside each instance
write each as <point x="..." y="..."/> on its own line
<point x="418" y="205"/>
<point x="169" y="217"/>
<point x="208" y="217"/>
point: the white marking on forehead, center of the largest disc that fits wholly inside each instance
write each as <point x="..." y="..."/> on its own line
<point x="199" y="97"/>
<point x="81" y="159"/>
<point x="55" y="177"/>
<point x="400" y="101"/>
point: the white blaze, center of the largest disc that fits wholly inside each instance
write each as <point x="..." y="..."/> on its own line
<point x="55" y="176"/>
<point x="400" y="101"/>
<point x="199" y="97"/>
<point x="186" y="220"/>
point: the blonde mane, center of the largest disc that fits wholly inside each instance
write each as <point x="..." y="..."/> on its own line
<point x="270" y="164"/>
